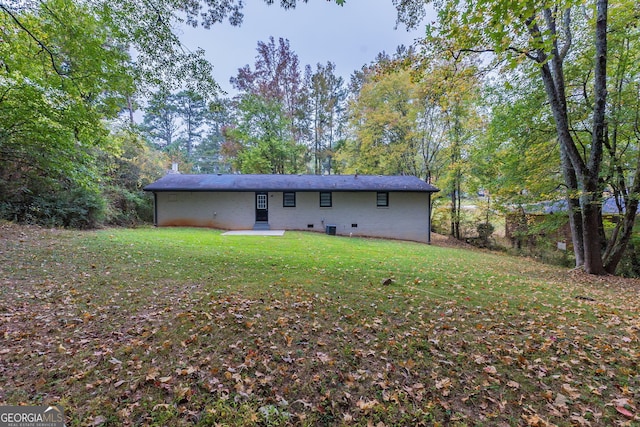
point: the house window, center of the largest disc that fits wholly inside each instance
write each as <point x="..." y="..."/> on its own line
<point x="382" y="199"/>
<point x="261" y="202"/>
<point x="325" y="199"/>
<point x="289" y="200"/>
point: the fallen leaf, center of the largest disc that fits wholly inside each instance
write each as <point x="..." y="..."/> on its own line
<point x="161" y="406"/>
<point x="535" y="421"/>
<point x="368" y="405"/>
<point x="491" y="370"/>
<point x="625" y="412"/>
<point x="580" y="421"/>
<point x="152" y="374"/>
<point x="443" y="383"/>
<point x="560" y="401"/>
<point x="324" y="358"/>
<point x="572" y="392"/>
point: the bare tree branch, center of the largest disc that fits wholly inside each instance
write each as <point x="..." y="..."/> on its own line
<point x="566" y="24"/>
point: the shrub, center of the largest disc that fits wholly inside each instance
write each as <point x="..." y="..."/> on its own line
<point x="485" y="230"/>
<point x="127" y="208"/>
<point x="79" y="208"/>
<point x="629" y="265"/>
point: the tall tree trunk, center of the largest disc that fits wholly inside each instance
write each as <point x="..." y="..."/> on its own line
<point x="130" y="108"/>
<point x="586" y="173"/>
<point x="456" y="200"/>
<point x="591" y="235"/>
<point x="554" y="86"/>
<point x="573" y="207"/>
<point x="617" y="248"/>
<point x="618" y="243"/>
<point x="590" y="199"/>
<point x="621" y="234"/>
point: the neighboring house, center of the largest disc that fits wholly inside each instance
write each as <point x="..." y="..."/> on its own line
<point x="549" y="220"/>
<point x="395" y="207"/>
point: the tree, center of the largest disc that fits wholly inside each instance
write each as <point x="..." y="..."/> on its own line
<point x="325" y="100"/>
<point x="455" y="113"/>
<point x="208" y="156"/>
<point x="450" y="91"/>
<point x="193" y="111"/>
<point x="126" y="173"/>
<point x="160" y="123"/>
<point x="65" y="75"/>
<point x="59" y="79"/>
<point x="276" y="78"/>
<point x="543" y="36"/>
<point x="621" y="170"/>
<point x="516" y="157"/>
<point x="262" y="138"/>
<point x="383" y="118"/>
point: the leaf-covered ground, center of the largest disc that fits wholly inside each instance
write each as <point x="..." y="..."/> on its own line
<point x="189" y="327"/>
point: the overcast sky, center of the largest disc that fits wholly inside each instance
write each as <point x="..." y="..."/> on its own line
<point x="350" y="36"/>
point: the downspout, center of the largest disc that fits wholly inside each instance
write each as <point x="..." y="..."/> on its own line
<point x="155" y="209"/>
<point x="428" y="218"/>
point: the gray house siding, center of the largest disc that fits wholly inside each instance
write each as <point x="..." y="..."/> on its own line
<point x="229" y="202"/>
<point x="352" y="213"/>
<point x="356" y="213"/>
<point x="225" y="210"/>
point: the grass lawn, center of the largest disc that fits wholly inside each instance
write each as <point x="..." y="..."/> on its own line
<point x="189" y="327"/>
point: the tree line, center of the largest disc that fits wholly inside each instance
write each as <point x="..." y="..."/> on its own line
<point x="526" y="102"/>
<point x="285" y="119"/>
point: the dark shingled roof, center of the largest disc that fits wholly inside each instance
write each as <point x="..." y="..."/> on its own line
<point x="179" y="182"/>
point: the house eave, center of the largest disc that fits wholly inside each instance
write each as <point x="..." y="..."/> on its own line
<point x="280" y="183"/>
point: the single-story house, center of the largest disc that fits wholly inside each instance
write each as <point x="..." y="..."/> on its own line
<point x="395" y="207"/>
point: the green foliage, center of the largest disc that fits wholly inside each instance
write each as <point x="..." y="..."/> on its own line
<point x="630" y="264"/>
<point x="79" y="207"/>
<point x="126" y="174"/>
<point x="160" y="124"/>
<point x="516" y="158"/>
<point x="65" y="74"/>
<point x="193" y="111"/>
<point x="264" y="138"/>
<point x="271" y="124"/>
<point x="173" y="122"/>
<point x="589" y="103"/>
<point x="161" y="61"/>
<point x="485" y="230"/>
<point x="127" y="208"/>
<point x="384" y="118"/>
<point x="208" y="153"/>
<point x="326" y="114"/>
<point x="58" y="82"/>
